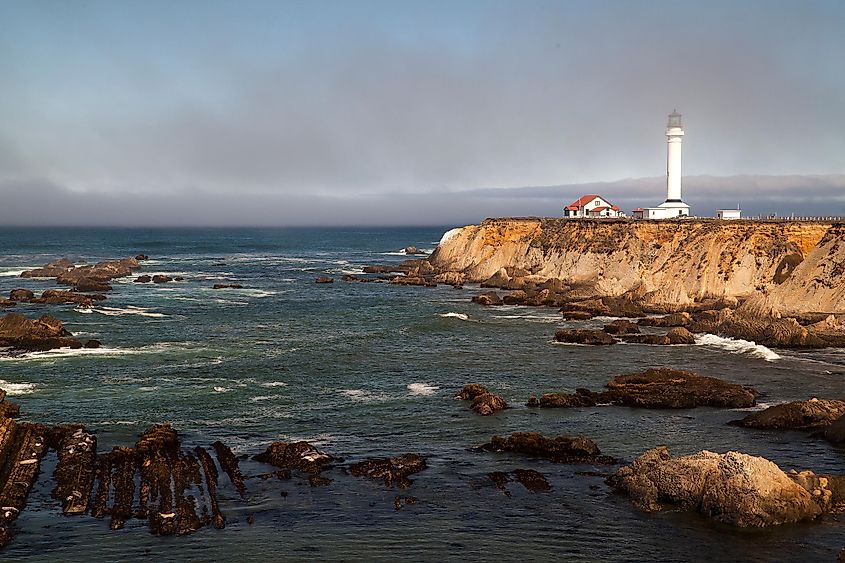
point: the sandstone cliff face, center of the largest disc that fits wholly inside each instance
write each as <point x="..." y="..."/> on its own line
<point x="794" y="267"/>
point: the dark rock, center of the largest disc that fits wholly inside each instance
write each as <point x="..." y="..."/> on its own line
<point x="674" y="319"/>
<point x="87" y="285"/>
<point x="484" y="402"/>
<point x="317" y="480"/>
<point x="324" y="279"/>
<point x="22" y="445"/>
<point x="392" y="470"/>
<point x="399" y="500"/>
<point x="584" y="336"/>
<point x="487" y="298"/>
<point x="227" y="286"/>
<point x="798" y="415"/>
<point x="384" y="269"/>
<point x="101" y="271"/>
<point x="8" y="409"/>
<point x="229" y="464"/>
<point x="74" y="473"/>
<point x="93" y="344"/>
<point x="143" y="279"/>
<point x="576" y="315"/>
<point x="45" y="333"/>
<point x="350" y="278"/>
<point x="680" y="335"/>
<point x="295" y="455"/>
<point x="835" y="433"/>
<point x="7" y="303"/>
<point x="59" y="297"/>
<point x="51" y="270"/>
<point x="659" y="388"/>
<point x="142" y="257"/>
<point x="560" y="449"/>
<point x="21" y="295"/>
<point x="161" y="278"/>
<point x="179" y="278"/>
<point x="652" y="339"/>
<point x="532" y="480"/>
<point x="621" y="326"/>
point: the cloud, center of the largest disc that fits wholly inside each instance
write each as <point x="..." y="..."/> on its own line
<point x="40" y="202"/>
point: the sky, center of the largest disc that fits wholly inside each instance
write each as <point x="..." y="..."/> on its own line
<point x="399" y="112"/>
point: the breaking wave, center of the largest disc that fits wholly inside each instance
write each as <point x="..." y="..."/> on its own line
<point x="737" y="346"/>
<point x="17" y="388"/>
<point x="423" y="389"/>
<point x="461" y="316"/>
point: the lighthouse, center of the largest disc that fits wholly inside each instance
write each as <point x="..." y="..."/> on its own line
<point x="674" y="205"/>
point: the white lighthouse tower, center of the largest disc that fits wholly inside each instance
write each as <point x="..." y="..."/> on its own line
<point x="674" y="205"/>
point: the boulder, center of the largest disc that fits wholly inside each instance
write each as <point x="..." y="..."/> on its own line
<point x="161" y="278"/>
<point x="680" y="335"/>
<point x="487" y="298"/>
<point x="621" y="326"/>
<point x="796" y="415"/>
<point x="324" y="279"/>
<point x="517" y="297"/>
<point x="733" y="488"/>
<point x="143" y="279"/>
<point x="21" y="295"/>
<point x="559" y="449"/>
<point x="584" y="336"/>
<point x="295" y="455"/>
<point x="140" y="257"/>
<point x="93" y="344"/>
<point x="392" y="470"/>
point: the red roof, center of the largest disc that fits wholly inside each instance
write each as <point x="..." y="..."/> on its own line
<point x="598" y="209"/>
<point x="582" y="201"/>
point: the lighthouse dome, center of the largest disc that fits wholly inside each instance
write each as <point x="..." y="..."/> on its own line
<point x="674" y="119"/>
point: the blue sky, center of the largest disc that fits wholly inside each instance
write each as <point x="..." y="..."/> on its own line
<point x="349" y="99"/>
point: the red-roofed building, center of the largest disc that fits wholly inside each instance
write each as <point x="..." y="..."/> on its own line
<point x="592" y="206"/>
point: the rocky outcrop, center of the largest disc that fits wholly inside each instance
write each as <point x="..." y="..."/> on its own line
<point x="23" y="295"/>
<point x="301" y="456"/>
<point x="484" y="402"/>
<point x="733" y="488"/>
<point x="59" y="297"/>
<point x="51" y="270"/>
<point x="74" y="473"/>
<point x="8" y="409"/>
<point x="394" y="471"/>
<point x="22" y="445"/>
<point x="44" y="333"/>
<point x="584" y="336"/>
<point x="835" y="433"/>
<point x="798" y="415"/>
<point x="658" y="388"/>
<point x="560" y="449"/>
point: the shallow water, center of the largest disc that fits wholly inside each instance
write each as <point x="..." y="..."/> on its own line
<point x="371" y="369"/>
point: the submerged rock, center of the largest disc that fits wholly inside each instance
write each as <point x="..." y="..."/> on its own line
<point x="532" y="480"/>
<point x="733" y="488"/>
<point x="295" y="455"/>
<point x="392" y="470"/>
<point x="143" y="279"/>
<point x="797" y="415"/>
<point x="560" y="449"/>
<point x="324" y="279"/>
<point x="227" y="286"/>
<point x="584" y="336"/>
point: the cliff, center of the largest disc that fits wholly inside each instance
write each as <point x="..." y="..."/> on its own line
<point x="782" y="267"/>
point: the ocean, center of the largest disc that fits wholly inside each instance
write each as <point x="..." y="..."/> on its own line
<point x="371" y="369"/>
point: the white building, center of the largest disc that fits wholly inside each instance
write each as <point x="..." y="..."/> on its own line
<point x="729" y="214"/>
<point x="592" y="206"/>
<point x="674" y="205"/>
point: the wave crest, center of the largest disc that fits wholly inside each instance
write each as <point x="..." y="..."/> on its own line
<point x="737" y="346"/>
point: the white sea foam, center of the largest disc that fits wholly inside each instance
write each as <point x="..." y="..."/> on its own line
<point x="17" y="388"/>
<point x="14" y="273"/>
<point x="151" y="388"/>
<point x="363" y="396"/>
<point x="218" y="389"/>
<point x="461" y="316"/>
<point x="275" y="384"/>
<point x="128" y="310"/>
<point x="422" y="389"/>
<point x="737" y="346"/>
<point x="264" y="398"/>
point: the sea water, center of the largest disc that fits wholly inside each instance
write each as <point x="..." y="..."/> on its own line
<point x="371" y="369"/>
